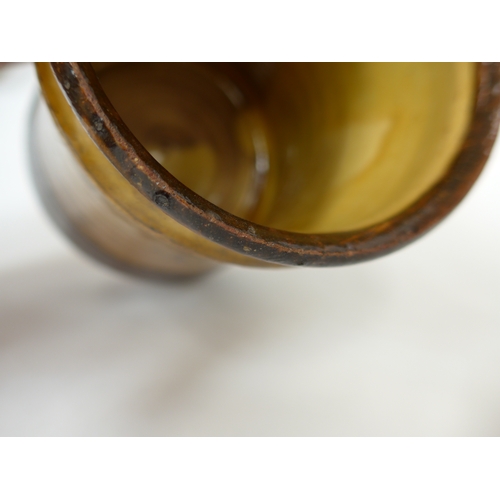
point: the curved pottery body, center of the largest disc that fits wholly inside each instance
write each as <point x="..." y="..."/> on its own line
<point x="167" y="169"/>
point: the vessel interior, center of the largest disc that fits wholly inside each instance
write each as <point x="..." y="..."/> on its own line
<point x="305" y="147"/>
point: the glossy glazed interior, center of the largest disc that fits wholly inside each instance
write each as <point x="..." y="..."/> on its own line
<point x="305" y="147"/>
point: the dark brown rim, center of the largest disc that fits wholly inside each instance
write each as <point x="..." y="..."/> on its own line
<point x="81" y="86"/>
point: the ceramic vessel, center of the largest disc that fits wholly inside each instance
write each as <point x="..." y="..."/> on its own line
<point x="170" y="169"/>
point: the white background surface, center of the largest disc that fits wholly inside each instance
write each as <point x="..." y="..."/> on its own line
<point x="405" y="345"/>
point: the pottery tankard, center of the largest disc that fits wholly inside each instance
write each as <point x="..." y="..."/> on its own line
<point x="170" y="169"/>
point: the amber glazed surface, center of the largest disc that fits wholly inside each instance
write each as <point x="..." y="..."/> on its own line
<point x="172" y="167"/>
